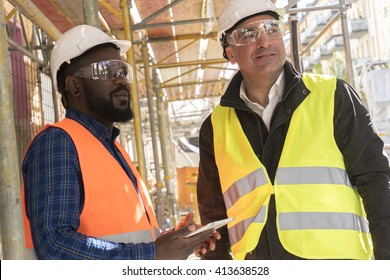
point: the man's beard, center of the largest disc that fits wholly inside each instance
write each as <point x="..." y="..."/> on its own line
<point x="105" y="108"/>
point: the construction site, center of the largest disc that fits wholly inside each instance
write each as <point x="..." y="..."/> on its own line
<point x="179" y="76"/>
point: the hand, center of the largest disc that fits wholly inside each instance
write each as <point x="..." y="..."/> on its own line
<point x="171" y="245"/>
<point x="209" y="240"/>
<point x="208" y="244"/>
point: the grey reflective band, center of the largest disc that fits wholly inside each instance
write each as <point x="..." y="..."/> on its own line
<point x="157" y="232"/>
<point x="244" y="186"/>
<point x="237" y="231"/>
<point x="312" y="175"/>
<point x="130" y="237"/>
<point x="323" y="220"/>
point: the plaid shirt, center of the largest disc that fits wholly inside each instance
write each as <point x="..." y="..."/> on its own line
<point x="54" y="196"/>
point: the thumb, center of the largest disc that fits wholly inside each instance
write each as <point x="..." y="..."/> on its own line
<point x="186" y="221"/>
<point x="181" y="232"/>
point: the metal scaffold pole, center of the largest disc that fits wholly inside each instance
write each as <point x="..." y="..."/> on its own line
<point x="347" y="43"/>
<point x="134" y="93"/>
<point x="163" y="126"/>
<point x="91" y="13"/>
<point x="342" y="6"/>
<point x="12" y="232"/>
<point x="28" y="8"/>
<point x="294" y="39"/>
<point x="152" y="119"/>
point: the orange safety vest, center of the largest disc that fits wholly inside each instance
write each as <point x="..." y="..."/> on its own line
<point x="113" y="210"/>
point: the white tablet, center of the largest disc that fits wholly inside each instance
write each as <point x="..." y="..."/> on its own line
<point x="212" y="225"/>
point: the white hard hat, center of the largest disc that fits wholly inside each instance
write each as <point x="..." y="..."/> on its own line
<point x="236" y="10"/>
<point x="78" y="40"/>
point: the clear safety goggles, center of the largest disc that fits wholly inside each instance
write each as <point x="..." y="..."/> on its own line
<point x="250" y="33"/>
<point x="106" y="70"/>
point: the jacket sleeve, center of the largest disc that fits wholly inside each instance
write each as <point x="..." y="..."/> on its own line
<point x="210" y="200"/>
<point x="366" y="163"/>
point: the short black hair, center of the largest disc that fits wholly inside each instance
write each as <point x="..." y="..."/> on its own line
<point x="224" y="37"/>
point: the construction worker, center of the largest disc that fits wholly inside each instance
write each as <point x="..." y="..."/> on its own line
<point x="84" y="198"/>
<point x="293" y="157"/>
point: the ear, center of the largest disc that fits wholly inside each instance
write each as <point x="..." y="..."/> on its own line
<point x="72" y="85"/>
<point x="230" y="54"/>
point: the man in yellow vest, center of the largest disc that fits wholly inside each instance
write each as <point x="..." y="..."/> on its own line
<point x="83" y="196"/>
<point x="292" y="157"/>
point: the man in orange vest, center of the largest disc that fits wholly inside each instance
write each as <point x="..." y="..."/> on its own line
<point x="83" y="196"/>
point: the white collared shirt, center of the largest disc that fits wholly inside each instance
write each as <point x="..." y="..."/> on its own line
<point x="274" y="96"/>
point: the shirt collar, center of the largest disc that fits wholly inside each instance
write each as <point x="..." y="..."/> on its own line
<point x="277" y="88"/>
<point x="99" y="130"/>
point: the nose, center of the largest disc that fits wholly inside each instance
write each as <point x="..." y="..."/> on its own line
<point x="121" y="79"/>
<point x="263" y="41"/>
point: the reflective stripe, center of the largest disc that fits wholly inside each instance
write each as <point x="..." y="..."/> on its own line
<point x="237" y="231"/>
<point x="244" y="186"/>
<point x="312" y="175"/>
<point x="128" y="237"/>
<point x="157" y="232"/>
<point x="323" y="220"/>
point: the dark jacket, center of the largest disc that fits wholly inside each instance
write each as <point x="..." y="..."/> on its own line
<point x="366" y="165"/>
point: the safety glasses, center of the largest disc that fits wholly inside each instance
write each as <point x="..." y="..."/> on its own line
<point x="106" y="70"/>
<point x="251" y="32"/>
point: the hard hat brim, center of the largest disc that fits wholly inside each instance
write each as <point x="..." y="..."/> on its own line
<point x="123" y="45"/>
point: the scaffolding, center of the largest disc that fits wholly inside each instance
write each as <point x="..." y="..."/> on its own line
<point x="373" y="85"/>
<point x="28" y="100"/>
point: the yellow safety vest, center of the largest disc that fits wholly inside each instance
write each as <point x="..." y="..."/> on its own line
<point x="319" y="213"/>
<point x="245" y="184"/>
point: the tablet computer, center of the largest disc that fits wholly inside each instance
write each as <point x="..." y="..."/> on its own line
<point x="212" y="225"/>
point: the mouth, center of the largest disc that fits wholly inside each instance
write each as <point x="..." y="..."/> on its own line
<point x="122" y="95"/>
<point x="264" y="55"/>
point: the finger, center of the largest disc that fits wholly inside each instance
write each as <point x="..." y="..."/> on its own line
<point x="180" y="232"/>
<point x="212" y="243"/>
<point x="189" y="217"/>
<point x="216" y="235"/>
<point x="209" y="244"/>
<point x="202" y="250"/>
<point x="198" y="252"/>
<point x="186" y="221"/>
